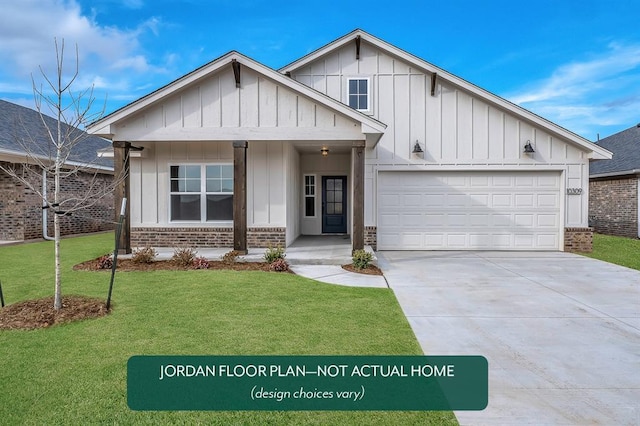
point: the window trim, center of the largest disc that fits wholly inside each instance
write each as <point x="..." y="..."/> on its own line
<point x="368" y="79"/>
<point x="202" y="193"/>
<point x="305" y="196"/>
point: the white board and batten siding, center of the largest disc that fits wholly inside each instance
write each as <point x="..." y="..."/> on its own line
<point x="466" y="139"/>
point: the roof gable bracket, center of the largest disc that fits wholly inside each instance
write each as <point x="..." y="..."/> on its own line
<point x="434" y="78"/>
<point x="236" y="71"/>
<point x="358" y="38"/>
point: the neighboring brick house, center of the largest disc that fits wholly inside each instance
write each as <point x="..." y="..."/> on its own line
<point x="614" y="186"/>
<point x="21" y="213"/>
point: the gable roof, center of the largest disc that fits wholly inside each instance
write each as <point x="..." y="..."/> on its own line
<point x="595" y="151"/>
<point x="625" y="146"/>
<point x="20" y="124"/>
<point x="370" y="126"/>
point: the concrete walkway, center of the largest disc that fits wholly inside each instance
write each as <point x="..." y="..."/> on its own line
<point x="561" y="332"/>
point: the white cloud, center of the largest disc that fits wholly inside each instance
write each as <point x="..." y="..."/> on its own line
<point x="111" y="58"/>
<point x="600" y="93"/>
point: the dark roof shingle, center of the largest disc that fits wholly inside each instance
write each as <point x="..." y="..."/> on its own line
<point x="18" y="123"/>
<point x="626" y="153"/>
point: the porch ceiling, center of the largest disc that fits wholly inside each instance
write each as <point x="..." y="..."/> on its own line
<point x="314" y="147"/>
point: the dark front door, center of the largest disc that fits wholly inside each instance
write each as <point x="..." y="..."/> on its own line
<point x="334" y="204"/>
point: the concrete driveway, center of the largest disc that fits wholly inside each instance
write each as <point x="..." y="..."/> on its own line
<point x="561" y="331"/>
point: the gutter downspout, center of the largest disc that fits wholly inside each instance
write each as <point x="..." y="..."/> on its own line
<point x="45" y="208"/>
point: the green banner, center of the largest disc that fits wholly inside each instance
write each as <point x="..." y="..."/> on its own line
<point x="307" y="383"/>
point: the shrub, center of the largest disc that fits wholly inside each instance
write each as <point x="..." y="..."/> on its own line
<point x="230" y="257"/>
<point x="105" y="262"/>
<point x="274" y="253"/>
<point x="200" y="263"/>
<point x="361" y="259"/>
<point x="183" y="256"/>
<point x="144" y="255"/>
<point x="279" y="265"/>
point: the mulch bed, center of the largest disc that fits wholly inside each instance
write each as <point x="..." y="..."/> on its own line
<point x="369" y="270"/>
<point x="126" y="265"/>
<point x="39" y="313"/>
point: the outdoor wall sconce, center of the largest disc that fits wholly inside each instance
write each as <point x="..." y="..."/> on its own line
<point x="417" y="150"/>
<point x="528" y="149"/>
<point x="325" y="151"/>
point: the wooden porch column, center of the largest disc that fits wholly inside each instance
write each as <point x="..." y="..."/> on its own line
<point x="357" y="155"/>
<point x="240" y="196"/>
<point x="122" y="190"/>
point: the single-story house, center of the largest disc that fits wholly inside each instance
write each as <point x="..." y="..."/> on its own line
<point x="358" y="137"/>
<point x="22" y="217"/>
<point x="614" y="187"/>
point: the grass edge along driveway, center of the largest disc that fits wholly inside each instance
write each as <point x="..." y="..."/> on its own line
<point x="76" y="373"/>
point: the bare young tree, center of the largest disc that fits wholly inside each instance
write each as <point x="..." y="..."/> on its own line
<point x="53" y="156"/>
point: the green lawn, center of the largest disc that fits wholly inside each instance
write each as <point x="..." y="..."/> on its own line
<point x="76" y="373"/>
<point x="618" y="250"/>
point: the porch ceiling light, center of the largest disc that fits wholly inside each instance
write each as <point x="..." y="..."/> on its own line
<point x="528" y="149"/>
<point x="325" y="151"/>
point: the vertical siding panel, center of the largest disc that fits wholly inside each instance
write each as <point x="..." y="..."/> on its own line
<point x="319" y="83"/>
<point x="249" y="99"/>
<point x="480" y="130"/>
<point x="385" y="147"/>
<point x="511" y="138"/>
<point x="163" y="158"/>
<point x="368" y="63"/>
<point x="448" y="123"/>
<point x="267" y="103"/>
<point x="496" y="134"/>
<point x="191" y="108"/>
<point x="433" y="151"/>
<point x="230" y="102"/>
<point x="179" y="151"/>
<point x="385" y="64"/>
<point x="348" y="63"/>
<point x="136" y="194"/>
<point x="305" y="79"/>
<point x="173" y="112"/>
<point x="417" y="109"/>
<point x="154" y="119"/>
<point x="148" y="181"/>
<point x="287" y="108"/>
<point x="260" y="183"/>
<point x="195" y="151"/>
<point x="318" y="68"/>
<point x="276" y="202"/>
<point x="225" y="151"/>
<point x="334" y="87"/>
<point x="465" y="126"/>
<point x="210" y="91"/>
<point x="306" y="113"/>
<point x="402" y="114"/>
<point x="332" y="64"/>
<point x="210" y="151"/>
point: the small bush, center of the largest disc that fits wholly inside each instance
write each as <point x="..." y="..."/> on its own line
<point x="274" y="253"/>
<point x="279" y="265"/>
<point x="105" y="262"/>
<point x="361" y="259"/>
<point x="144" y="255"/>
<point x="200" y="263"/>
<point x="230" y="257"/>
<point x="183" y="256"/>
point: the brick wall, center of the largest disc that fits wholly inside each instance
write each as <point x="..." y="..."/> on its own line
<point x="371" y="237"/>
<point x="21" y="208"/>
<point x="204" y="237"/>
<point x="578" y="240"/>
<point x="11" y="208"/>
<point x="613" y="206"/>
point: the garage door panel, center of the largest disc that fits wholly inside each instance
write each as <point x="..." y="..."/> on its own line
<point x="469" y="211"/>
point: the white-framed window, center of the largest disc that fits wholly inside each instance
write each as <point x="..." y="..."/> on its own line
<point x="201" y="192"/>
<point x="359" y="93"/>
<point x="309" y="195"/>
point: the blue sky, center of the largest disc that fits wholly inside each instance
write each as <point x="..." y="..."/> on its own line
<point x="576" y="63"/>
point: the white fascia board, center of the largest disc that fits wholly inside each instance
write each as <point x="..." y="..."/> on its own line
<point x="103" y="126"/>
<point x="616" y="174"/>
<point x="595" y="152"/>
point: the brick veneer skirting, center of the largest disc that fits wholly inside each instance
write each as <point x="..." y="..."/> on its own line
<point x="371" y="237"/>
<point x="613" y="206"/>
<point x="205" y="237"/>
<point x="578" y="240"/>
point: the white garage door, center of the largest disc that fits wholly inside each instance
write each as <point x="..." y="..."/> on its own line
<point x="469" y="210"/>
